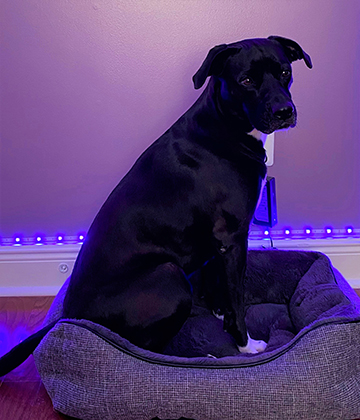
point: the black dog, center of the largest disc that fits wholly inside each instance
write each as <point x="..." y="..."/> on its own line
<point x="189" y="198"/>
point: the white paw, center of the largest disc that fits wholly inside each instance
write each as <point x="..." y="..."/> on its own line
<point x="218" y="316"/>
<point x="253" y="346"/>
<point x="211" y="356"/>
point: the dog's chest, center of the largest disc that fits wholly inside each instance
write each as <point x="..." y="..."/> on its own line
<point x="258" y="135"/>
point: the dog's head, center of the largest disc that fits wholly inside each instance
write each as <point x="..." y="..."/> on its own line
<point x="255" y="77"/>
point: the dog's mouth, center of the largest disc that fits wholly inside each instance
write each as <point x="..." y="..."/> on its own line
<point x="269" y="127"/>
<point x="267" y="120"/>
<point x="287" y="124"/>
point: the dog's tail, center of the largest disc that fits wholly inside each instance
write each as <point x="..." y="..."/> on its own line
<point x="22" y="351"/>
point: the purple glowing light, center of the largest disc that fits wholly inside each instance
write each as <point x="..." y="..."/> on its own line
<point x="39" y="238"/>
<point x="349" y="230"/>
<point x="328" y="230"/>
<point x="17" y="240"/>
<point x="81" y="237"/>
<point x="60" y="238"/>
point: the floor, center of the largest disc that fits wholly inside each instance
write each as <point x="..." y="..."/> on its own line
<point x="22" y="394"/>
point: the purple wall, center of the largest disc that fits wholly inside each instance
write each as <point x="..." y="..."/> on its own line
<point x="86" y="86"/>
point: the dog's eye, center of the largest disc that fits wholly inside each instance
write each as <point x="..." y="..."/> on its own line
<point x="246" y="82"/>
<point x="286" y="73"/>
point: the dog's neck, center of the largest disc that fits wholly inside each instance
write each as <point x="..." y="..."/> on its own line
<point x="258" y="135"/>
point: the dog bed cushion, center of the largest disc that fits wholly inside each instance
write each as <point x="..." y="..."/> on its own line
<point x="296" y="301"/>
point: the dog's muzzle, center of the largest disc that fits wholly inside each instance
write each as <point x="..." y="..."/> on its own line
<point x="285" y="112"/>
<point x="279" y="117"/>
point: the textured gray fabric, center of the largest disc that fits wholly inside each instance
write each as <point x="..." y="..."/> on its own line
<point x="89" y="379"/>
<point x="95" y="374"/>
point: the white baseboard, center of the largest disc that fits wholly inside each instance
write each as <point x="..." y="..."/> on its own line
<point x="35" y="270"/>
<point x="40" y="270"/>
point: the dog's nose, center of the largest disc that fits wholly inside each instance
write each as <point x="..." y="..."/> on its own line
<point x="285" y="112"/>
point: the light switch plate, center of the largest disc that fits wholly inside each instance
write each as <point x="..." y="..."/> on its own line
<point x="269" y="147"/>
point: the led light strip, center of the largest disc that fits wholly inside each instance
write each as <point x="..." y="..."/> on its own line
<point x="306" y="233"/>
<point x="287" y="233"/>
<point x="41" y="239"/>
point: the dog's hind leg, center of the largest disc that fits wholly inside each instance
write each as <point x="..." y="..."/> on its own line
<point x="151" y="309"/>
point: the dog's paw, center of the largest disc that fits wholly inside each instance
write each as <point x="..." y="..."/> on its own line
<point x="253" y="346"/>
<point x="211" y="356"/>
<point x="218" y="315"/>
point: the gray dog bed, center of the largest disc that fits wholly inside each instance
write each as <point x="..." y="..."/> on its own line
<point x="296" y="302"/>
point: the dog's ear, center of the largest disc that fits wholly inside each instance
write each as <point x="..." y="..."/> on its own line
<point x="213" y="63"/>
<point x="292" y="50"/>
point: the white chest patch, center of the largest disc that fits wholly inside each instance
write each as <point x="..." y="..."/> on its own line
<point x="258" y="135"/>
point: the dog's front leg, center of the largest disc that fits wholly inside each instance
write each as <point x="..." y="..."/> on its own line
<point x="232" y="272"/>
